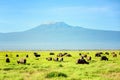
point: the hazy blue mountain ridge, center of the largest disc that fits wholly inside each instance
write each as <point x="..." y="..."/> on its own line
<point x="60" y="35"/>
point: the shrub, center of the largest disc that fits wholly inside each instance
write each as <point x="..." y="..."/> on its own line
<point x="60" y="65"/>
<point x="7" y="69"/>
<point x="55" y="74"/>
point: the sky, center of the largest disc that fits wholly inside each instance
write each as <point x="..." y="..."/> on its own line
<point x="20" y="15"/>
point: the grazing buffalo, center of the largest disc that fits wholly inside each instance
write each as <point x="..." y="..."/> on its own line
<point x="114" y="55"/>
<point x="56" y="59"/>
<point x="52" y="53"/>
<point x="49" y="58"/>
<point x="6" y="55"/>
<point x="36" y="54"/>
<point x="104" y="58"/>
<point x="22" y="61"/>
<point x="89" y="58"/>
<point x="65" y="54"/>
<point x="17" y="55"/>
<point x="113" y="52"/>
<point x="68" y="55"/>
<point x="100" y="52"/>
<point x="82" y="61"/>
<point x="85" y="55"/>
<point x="7" y="60"/>
<point x="80" y="54"/>
<point x="60" y="55"/>
<point x="27" y="56"/>
<point x="61" y="59"/>
<point x="107" y="53"/>
<point x="98" y="55"/>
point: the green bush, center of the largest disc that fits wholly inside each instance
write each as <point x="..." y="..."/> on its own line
<point x="7" y="69"/>
<point x="55" y="74"/>
<point x="60" y="65"/>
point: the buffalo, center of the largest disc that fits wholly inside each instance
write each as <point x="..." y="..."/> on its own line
<point x="98" y="55"/>
<point x="68" y="55"/>
<point x="80" y="54"/>
<point x="36" y="54"/>
<point x="113" y="52"/>
<point x="49" y="58"/>
<point x="60" y="55"/>
<point x="56" y="59"/>
<point x="104" y="58"/>
<point x="89" y="58"/>
<point x="100" y="52"/>
<point x="107" y="53"/>
<point x="85" y="55"/>
<point x="65" y="54"/>
<point x="17" y="55"/>
<point x="114" y="55"/>
<point x="82" y="61"/>
<point x="27" y="56"/>
<point x="22" y="61"/>
<point x="52" y="53"/>
<point x="7" y="60"/>
<point x="61" y="59"/>
<point x="6" y="55"/>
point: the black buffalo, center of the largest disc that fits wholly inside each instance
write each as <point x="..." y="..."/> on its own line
<point x="65" y="54"/>
<point x="27" y="56"/>
<point x="80" y="54"/>
<point x="7" y="60"/>
<point x="68" y="55"/>
<point x="82" y="61"/>
<point x="6" y="55"/>
<point x="104" y="58"/>
<point x="36" y="54"/>
<point x="107" y="53"/>
<point x="52" y="53"/>
<point x="98" y="55"/>
<point x="17" y="55"/>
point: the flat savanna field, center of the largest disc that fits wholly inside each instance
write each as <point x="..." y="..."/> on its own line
<point x="42" y="69"/>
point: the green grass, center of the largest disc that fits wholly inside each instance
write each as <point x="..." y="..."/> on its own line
<point x="41" y="69"/>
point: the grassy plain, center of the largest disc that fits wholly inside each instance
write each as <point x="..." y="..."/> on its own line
<point x="41" y="69"/>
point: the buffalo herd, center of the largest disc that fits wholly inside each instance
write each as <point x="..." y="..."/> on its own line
<point x="54" y="59"/>
<point x="84" y="58"/>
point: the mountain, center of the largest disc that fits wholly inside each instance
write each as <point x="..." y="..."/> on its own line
<point x="60" y="35"/>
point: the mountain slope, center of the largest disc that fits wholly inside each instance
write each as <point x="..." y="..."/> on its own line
<point x="60" y="36"/>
